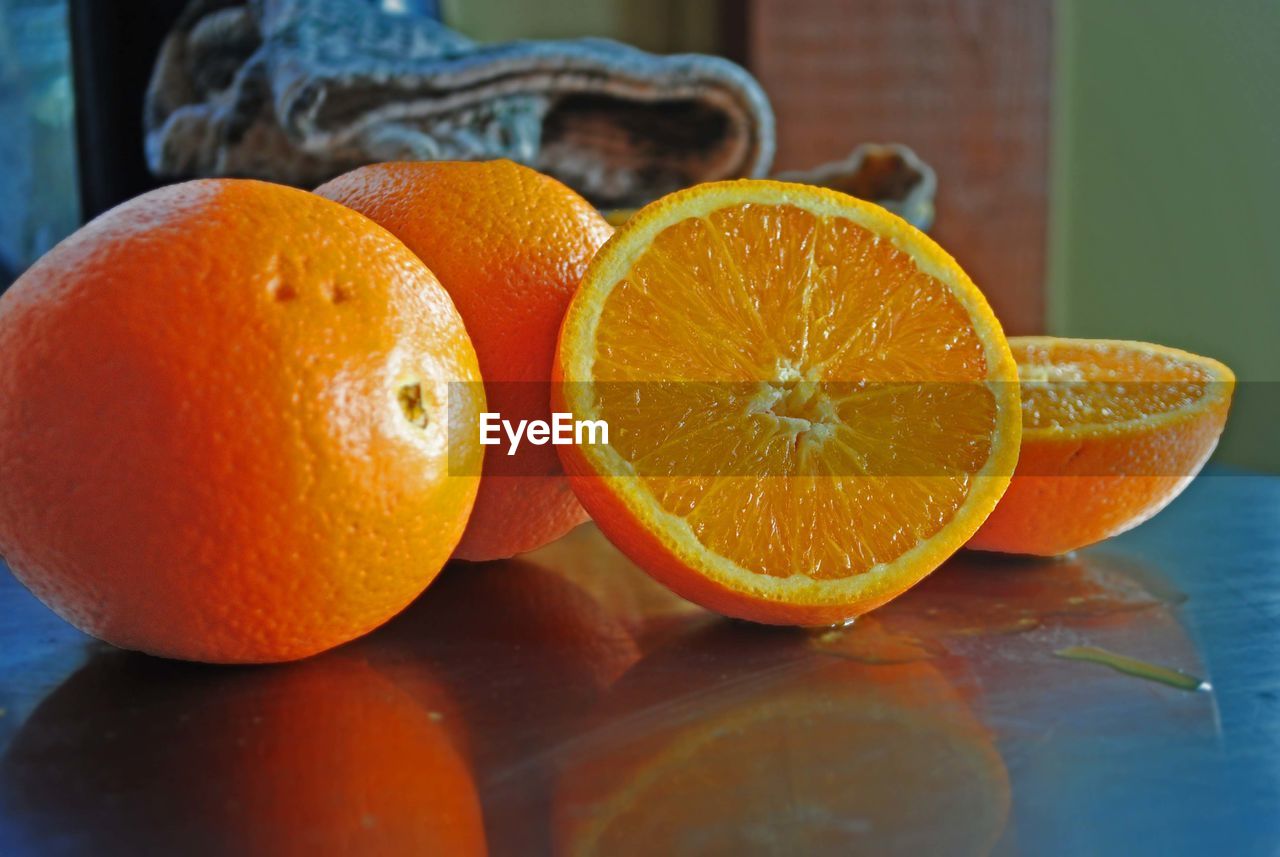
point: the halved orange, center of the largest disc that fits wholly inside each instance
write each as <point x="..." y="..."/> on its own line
<point x="1112" y="432"/>
<point x="810" y="406"/>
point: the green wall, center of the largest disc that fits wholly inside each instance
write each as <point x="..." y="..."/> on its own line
<point x="1166" y="190"/>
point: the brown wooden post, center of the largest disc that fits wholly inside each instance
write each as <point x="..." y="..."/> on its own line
<point x="966" y="83"/>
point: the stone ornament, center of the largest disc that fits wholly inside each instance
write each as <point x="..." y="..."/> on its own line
<point x="299" y="91"/>
<point x="888" y="174"/>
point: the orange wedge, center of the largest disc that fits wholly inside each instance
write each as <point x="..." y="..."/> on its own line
<point x="1112" y="432"/>
<point x="810" y="406"/>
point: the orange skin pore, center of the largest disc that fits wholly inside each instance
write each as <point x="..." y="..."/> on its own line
<point x="223" y="429"/>
<point x="510" y="245"/>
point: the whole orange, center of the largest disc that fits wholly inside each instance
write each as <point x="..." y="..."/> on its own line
<point x="510" y="245"/>
<point x="223" y="424"/>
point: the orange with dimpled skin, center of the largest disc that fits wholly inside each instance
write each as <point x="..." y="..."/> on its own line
<point x="510" y="245"/>
<point x="223" y="424"/>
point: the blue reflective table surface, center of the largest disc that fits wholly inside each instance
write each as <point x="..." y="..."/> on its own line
<point x="564" y="703"/>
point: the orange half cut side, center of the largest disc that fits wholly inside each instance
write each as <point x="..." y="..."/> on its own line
<point x="810" y="405"/>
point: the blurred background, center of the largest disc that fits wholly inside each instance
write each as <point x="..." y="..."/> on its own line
<point x="1103" y="169"/>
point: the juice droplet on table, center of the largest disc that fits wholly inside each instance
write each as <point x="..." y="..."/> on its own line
<point x="1134" y="667"/>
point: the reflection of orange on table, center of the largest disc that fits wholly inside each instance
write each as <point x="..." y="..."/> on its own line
<point x="998" y="626"/>
<point x="521" y="613"/>
<point x="976" y="595"/>
<point x="525" y="651"/>
<point x="646" y="608"/>
<point x="785" y="748"/>
<point x="326" y="755"/>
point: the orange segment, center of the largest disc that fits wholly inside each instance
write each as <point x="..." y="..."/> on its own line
<point x="810" y="405"/>
<point x="1112" y="432"/>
